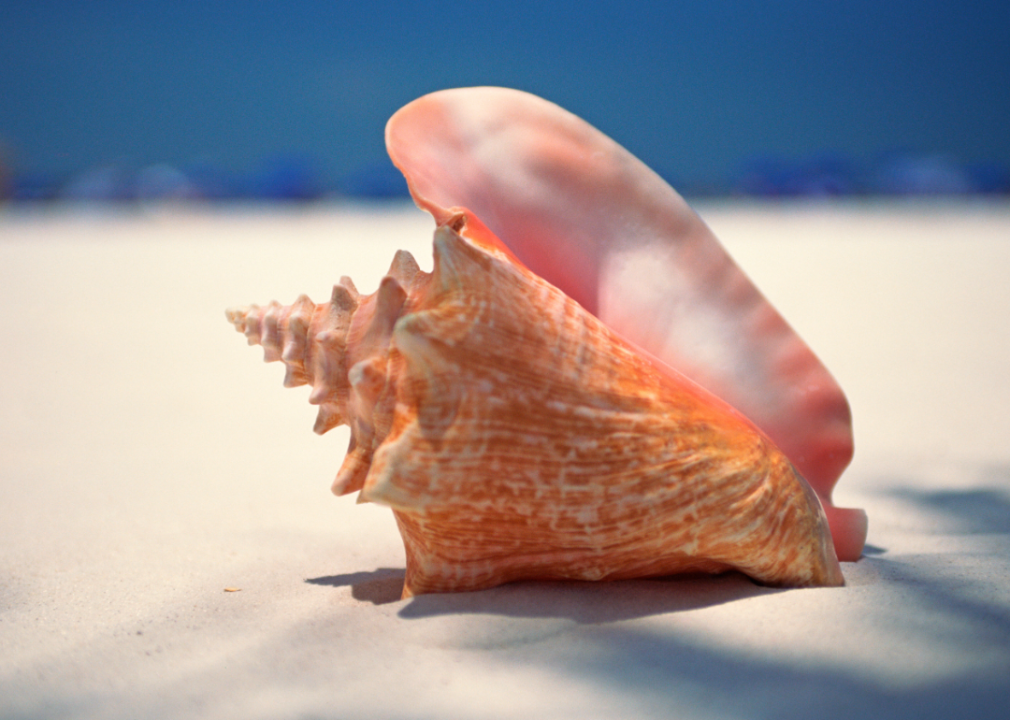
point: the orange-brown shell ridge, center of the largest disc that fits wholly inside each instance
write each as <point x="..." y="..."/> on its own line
<point x="516" y="436"/>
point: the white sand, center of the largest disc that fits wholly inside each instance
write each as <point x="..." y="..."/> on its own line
<point x="149" y="460"/>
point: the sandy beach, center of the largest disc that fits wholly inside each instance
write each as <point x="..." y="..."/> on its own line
<point x="169" y="546"/>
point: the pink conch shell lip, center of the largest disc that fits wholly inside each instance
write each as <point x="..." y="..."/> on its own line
<point x="584" y="387"/>
<point x="583" y="213"/>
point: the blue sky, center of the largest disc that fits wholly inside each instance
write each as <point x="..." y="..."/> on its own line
<point x="693" y="88"/>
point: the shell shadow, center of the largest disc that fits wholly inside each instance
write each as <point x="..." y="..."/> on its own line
<point x="582" y="602"/>
<point x="379" y="587"/>
<point x="591" y="602"/>
<point x="970" y="512"/>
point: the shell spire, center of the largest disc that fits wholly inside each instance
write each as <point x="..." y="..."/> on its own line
<point x="339" y="348"/>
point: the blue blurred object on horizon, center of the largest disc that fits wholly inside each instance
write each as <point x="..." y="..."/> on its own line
<point x="894" y="174"/>
<point x="827" y="175"/>
<point x="285" y="178"/>
<point x="906" y="174"/>
<point x="375" y="181"/>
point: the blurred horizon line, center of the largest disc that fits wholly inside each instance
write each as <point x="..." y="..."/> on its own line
<point x="299" y="177"/>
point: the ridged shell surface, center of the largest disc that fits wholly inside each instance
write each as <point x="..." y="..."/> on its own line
<point x="516" y="436"/>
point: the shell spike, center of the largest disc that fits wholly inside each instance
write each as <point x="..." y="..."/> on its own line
<point x="270" y="333"/>
<point x="326" y="419"/>
<point x="351" y="476"/>
<point x="404" y="269"/>
<point x="454" y="259"/>
<point x="349" y="284"/>
<point x="390" y="301"/>
<point x="344" y="299"/>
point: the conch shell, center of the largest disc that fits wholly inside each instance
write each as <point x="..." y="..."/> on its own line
<point x="522" y="415"/>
